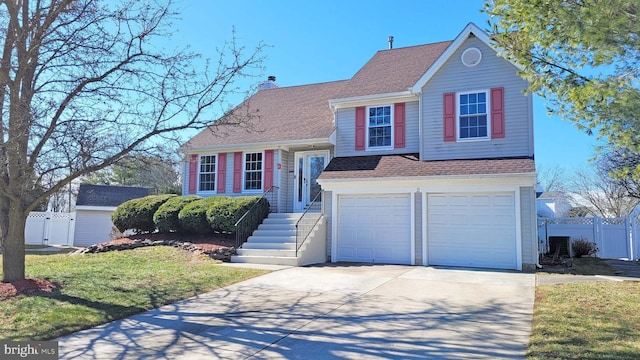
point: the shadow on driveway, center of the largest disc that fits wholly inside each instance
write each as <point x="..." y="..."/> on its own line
<point x="331" y="313"/>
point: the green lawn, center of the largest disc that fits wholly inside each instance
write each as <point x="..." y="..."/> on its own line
<point x="594" y="320"/>
<point x="98" y="288"/>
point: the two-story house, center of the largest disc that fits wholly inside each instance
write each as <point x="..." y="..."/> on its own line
<point x="423" y="157"/>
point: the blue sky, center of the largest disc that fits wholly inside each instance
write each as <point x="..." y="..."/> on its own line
<point x="319" y="41"/>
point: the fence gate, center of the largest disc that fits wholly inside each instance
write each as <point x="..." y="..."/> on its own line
<point x="49" y="228"/>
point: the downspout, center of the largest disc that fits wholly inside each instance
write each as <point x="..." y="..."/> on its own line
<point x="538" y="266"/>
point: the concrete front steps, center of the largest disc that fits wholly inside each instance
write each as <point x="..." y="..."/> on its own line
<point x="274" y="242"/>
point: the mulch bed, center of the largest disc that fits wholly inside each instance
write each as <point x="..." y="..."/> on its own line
<point x="28" y="286"/>
<point x="204" y="242"/>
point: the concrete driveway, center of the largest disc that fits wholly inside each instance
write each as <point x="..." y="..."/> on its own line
<point x="331" y="312"/>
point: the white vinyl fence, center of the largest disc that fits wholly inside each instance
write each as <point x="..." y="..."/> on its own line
<point x="616" y="238"/>
<point x="50" y="228"/>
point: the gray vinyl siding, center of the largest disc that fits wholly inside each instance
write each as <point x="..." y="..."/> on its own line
<point x="418" y="228"/>
<point x="185" y="178"/>
<point x="327" y="203"/>
<point x="346" y="133"/>
<point x="92" y="227"/>
<point x="285" y="186"/>
<point x="290" y="181"/>
<point x="491" y="72"/>
<point x="528" y="227"/>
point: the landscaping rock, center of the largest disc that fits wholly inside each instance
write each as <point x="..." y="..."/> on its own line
<point x="223" y="254"/>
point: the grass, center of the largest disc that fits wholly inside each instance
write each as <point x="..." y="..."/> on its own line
<point x="592" y="266"/>
<point x="99" y="288"/>
<point x="590" y="320"/>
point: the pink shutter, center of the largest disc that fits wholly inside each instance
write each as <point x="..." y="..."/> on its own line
<point x="237" y="172"/>
<point x="193" y="174"/>
<point x="399" y="127"/>
<point x="222" y="172"/>
<point x="497" y="113"/>
<point x="361" y="129"/>
<point x="449" y="111"/>
<point x="268" y="169"/>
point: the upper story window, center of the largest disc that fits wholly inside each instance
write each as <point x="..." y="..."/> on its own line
<point x="472" y="115"/>
<point x="380" y="127"/>
<point x="207" y="173"/>
<point x="253" y="171"/>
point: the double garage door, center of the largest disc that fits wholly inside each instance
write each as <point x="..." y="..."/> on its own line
<point x="475" y="230"/>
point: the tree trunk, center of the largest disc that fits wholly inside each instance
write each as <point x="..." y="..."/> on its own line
<point x="13" y="261"/>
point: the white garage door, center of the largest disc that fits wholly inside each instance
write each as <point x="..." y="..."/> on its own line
<point x="374" y="228"/>
<point x="476" y="230"/>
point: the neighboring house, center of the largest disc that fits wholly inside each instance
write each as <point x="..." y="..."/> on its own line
<point x="428" y="153"/>
<point x="552" y="204"/>
<point x="94" y="207"/>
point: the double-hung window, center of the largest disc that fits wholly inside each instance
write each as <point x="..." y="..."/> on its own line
<point x="207" y="173"/>
<point x="472" y="115"/>
<point x="253" y="171"/>
<point x="380" y="126"/>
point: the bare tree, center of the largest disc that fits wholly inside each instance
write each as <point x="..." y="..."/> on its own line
<point x="624" y="166"/>
<point x="84" y="83"/>
<point x="605" y="194"/>
<point x="552" y="178"/>
<point x="154" y="171"/>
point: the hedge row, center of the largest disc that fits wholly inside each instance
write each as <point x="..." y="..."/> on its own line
<point x="190" y="214"/>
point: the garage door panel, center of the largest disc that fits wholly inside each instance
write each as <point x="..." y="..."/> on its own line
<point x="374" y="228"/>
<point x="472" y="230"/>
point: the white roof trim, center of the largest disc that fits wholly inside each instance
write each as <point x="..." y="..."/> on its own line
<point x="398" y="179"/>
<point x="258" y="146"/>
<point x="471" y="28"/>
<point x="93" y="207"/>
<point x="367" y="99"/>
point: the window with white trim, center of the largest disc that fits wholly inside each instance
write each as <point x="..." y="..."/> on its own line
<point x="253" y="171"/>
<point x="380" y="126"/>
<point x="207" y="176"/>
<point x="473" y="116"/>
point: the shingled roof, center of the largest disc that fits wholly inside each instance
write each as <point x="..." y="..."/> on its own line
<point x="108" y="196"/>
<point x="391" y="166"/>
<point x="278" y="115"/>
<point x="299" y="113"/>
<point x="395" y="70"/>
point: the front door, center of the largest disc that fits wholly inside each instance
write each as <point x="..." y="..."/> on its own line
<point x="308" y="166"/>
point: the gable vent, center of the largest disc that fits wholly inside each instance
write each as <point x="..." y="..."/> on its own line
<point x="471" y="57"/>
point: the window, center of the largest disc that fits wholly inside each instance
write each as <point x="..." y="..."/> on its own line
<point x="472" y="116"/>
<point x="207" y="173"/>
<point x="380" y="126"/>
<point x="253" y="171"/>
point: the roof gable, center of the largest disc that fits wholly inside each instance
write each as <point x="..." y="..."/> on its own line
<point x="106" y="195"/>
<point x="470" y="30"/>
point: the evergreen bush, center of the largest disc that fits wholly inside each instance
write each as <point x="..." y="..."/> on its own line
<point x="137" y="214"/>
<point x="223" y="216"/>
<point x="193" y="216"/>
<point x="166" y="218"/>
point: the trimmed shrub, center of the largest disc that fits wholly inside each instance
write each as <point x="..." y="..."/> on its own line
<point x="582" y="247"/>
<point x="137" y="214"/>
<point x="224" y="216"/>
<point x="166" y="218"/>
<point x="193" y="216"/>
